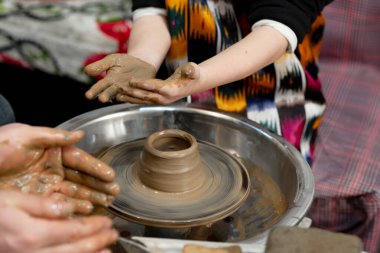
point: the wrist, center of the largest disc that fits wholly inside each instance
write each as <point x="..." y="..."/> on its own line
<point x="145" y="58"/>
<point x="204" y="83"/>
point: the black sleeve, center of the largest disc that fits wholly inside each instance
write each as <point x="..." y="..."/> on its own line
<point x="136" y="4"/>
<point x="298" y="15"/>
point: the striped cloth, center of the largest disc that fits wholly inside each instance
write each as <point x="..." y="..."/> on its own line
<point x="347" y="156"/>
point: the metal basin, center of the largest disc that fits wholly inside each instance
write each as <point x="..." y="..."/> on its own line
<point x="246" y="140"/>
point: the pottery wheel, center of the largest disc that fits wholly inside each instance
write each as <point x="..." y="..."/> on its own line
<point x="225" y="188"/>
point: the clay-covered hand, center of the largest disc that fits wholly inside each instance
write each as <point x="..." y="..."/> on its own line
<point x="38" y="224"/>
<point x="44" y="160"/>
<point x="163" y="92"/>
<point x="120" y="69"/>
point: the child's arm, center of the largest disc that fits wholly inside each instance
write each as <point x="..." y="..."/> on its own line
<point x="150" y="39"/>
<point x="258" y="49"/>
<point x="148" y="45"/>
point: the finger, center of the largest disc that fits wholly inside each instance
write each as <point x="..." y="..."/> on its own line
<point x="36" y="205"/>
<point x="128" y="99"/>
<point x="94" y="243"/>
<point x="54" y="232"/>
<point x="143" y="95"/>
<point x="100" y="66"/>
<point x="108" y="94"/>
<point x="98" y="88"/>
<point x="53" y="137"/>
<point x="77" y="159"/>
<point x="81" y="206"/>
<point x="155" y="98"/>
<point x="81" y="192"/>
<point x="77" y="177"/>
<point x="152" y="85"/>
<point x="53" y="169"/>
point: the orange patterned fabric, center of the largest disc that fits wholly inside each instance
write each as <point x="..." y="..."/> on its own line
<point x="285" y="97"/>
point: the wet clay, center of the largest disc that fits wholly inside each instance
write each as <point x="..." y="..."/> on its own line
<point x="46" y="175"/>
<point x="172" y="180"/>
<point x="263" y="207"/>
<point x="170" y="162"/>
<point x="31" y="182"/>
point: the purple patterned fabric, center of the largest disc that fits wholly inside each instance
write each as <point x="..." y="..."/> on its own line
<point x="347" y="155"/>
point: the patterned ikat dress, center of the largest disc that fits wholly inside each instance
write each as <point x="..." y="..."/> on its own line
<point x="285" y="97"/>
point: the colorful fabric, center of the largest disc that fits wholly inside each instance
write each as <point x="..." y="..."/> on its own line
<point x="61" y="38"/>
<point x="285" y="96"/>
<point x="347" y="157"/>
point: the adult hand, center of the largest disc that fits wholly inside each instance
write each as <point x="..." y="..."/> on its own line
<point x="155" y="91"/>
<point x="44" y="160"/>
<point x="37" y="224"/>
<point x="120" y="70"/>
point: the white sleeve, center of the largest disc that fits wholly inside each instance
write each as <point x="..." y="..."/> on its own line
<point x="283" y="29"/>
<point x="148" y="11"/>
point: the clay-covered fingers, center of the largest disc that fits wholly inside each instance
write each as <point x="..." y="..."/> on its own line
<point x="41" y="137"/>
<point x="102" y="65"/>
<point x="96" y="243"/>
<point x="77" y="159"/>
<point x="156" y="91"/>
<point x="76" y="235"/>
<point x="25" y="146"/>
<point x="37" y="224"/>
<point x="103" y="89"/>
<point x="110" y="188"/>
<point x="80" y="192"/>
<point x="119" y="69"/>
<point x="128" y="99"/>
<point x="152" y="85"/>
<point x="144" y="92"/>
<point x="74" y="228"/>
<point x="81" y="206"/>
<point x="37" y="205"/>
<point x="45" y="137"/>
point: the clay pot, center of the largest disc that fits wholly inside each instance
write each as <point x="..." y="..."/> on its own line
<point x="171" y="162"/>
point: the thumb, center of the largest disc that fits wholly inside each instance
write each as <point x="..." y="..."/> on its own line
<point x="36" y="205"/>
<point x="190" y="70"/>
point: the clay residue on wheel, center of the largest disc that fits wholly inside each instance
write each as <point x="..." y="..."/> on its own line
<point x="261" y="207"/>
<point x="172" y="180"/>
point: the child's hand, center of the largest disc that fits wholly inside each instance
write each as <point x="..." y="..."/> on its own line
<point x="156" y="91"/>
<point x="120" y="70"/>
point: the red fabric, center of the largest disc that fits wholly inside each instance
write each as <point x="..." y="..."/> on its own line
<point x="347" y="155"/>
